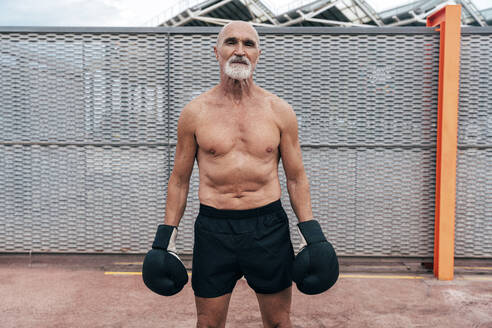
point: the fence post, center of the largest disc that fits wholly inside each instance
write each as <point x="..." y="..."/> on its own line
<point x="449" y="20"/>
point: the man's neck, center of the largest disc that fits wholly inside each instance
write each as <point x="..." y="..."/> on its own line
<point x="236" y="90"/>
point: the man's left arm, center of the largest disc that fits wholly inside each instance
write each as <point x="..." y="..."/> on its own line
<point x="290" y="152"/>
<point x="315" y="268"/>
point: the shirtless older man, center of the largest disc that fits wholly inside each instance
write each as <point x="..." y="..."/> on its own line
<point x="238" y="132"/>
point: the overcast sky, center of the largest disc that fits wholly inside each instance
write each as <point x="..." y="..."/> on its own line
<point x="115" y="12"/>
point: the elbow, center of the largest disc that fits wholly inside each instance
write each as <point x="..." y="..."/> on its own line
<point x="297" y="179"/>
<point x="291" y="181"/>
<point x="179" y="180"/>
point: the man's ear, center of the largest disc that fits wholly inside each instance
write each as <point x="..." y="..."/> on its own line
<point x="258" y="58"/>
<point x="216" y="53"/>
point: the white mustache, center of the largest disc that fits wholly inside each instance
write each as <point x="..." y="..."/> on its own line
<point x="239" y="60"/>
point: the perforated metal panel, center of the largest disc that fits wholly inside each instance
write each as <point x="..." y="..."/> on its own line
<point x="473" y="236"/>
<point x="88" y="132"/>
<point x="366" y="109"/>
<point x="83" y="126"/>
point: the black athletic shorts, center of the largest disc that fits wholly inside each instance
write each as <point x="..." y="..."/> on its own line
<point x="232" y="243"/>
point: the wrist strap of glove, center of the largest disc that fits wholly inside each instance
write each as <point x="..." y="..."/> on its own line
<point x="311" y="232"/>
<point x="165" y="238"/>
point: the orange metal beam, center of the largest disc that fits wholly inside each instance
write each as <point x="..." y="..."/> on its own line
<point x="449" y="21"/>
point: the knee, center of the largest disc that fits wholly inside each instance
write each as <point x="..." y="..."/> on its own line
<point x="204" y="321"/>
<point x="284" y="324"/>
<point x="281" y="322"/>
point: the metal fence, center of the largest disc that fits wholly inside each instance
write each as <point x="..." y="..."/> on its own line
<point x="474" y="166"/>
<point x="88" y="133"/>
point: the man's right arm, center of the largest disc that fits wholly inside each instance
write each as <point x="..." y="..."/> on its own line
<point x="179" y="181"/>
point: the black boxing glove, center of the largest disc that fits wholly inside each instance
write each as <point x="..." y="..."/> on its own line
<point x="162" y="271"/>
<point x="315" y="267"/>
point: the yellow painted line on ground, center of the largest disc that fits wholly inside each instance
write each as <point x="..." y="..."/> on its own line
<point x="374" y="267"/>
<point x="474" y="268"/>
<point x="127" y="263"/>
<point x="128" y="273"/>
<point x="362" y="276"/>
<point x="357" y="276"/>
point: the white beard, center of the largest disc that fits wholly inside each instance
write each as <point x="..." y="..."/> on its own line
<point x="237" y="71"/>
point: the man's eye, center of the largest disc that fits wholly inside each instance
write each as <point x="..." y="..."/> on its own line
<point x="230" y="42"/>
<point x="250" y="44"/>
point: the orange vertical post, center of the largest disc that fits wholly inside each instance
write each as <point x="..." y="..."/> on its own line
<point x="449" y="20"/>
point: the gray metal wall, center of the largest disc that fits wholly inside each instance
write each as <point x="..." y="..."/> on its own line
<point x="474" y="166"/>
<point x="88" y="134"/>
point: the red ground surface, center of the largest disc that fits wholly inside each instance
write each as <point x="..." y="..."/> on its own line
<point x="75" y="292"/>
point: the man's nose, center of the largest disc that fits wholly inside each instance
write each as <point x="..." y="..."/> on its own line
<point x="239" y="51"/>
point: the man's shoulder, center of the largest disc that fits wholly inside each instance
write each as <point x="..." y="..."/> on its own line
<point x="196" y="104"/>
<point x="282" y="110"/>
<point x="278" y="104"/>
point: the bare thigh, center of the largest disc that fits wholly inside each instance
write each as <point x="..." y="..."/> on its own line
<point x="275" y="308"/>
<point x="212" y="312"/>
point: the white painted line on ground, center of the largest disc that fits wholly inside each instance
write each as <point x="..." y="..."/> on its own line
<point x="474" y="268"/>
<point x="474" y="278"/>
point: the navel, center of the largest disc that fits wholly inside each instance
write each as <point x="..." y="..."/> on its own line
<point x="212" y="151"/>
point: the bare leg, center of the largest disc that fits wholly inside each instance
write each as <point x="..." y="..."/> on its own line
<point x="275" y="308"/>
<point x="212" y="312"/>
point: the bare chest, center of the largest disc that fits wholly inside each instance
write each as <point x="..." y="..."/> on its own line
<point x="253" y="132"/>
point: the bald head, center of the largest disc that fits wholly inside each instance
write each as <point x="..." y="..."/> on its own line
<point x="240" y="25"/>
